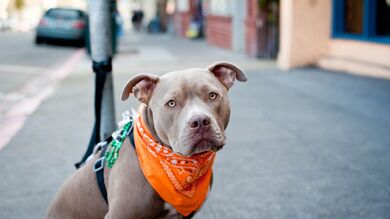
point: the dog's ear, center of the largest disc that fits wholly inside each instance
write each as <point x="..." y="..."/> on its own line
<point x="227" y="73"/>
<point x="141" y="86"/>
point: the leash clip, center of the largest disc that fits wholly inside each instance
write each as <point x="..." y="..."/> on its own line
<point x="126" y="117"/>
<point x="99" y="164"/>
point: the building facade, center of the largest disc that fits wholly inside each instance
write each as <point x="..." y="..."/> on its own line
<point x="240" y="25"/>
<point x="342" y="35"/>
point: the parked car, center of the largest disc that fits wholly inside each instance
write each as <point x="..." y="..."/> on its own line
<point x="62" y="24"/>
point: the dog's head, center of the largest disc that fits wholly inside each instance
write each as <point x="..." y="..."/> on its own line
<point x="189" y="110"/>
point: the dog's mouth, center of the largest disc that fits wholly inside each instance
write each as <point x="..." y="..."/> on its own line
<point x="204" y="145"/>
<point x="214" y="149"/>
<point x="200" y="146"/>
<point x="198" y="142"/>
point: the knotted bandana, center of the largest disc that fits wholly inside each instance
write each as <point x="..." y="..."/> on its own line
<point x="181" y="181"/>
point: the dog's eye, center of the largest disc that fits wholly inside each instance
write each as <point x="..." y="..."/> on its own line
<point x="213" y="96"/>
<point x="171" y="103"/>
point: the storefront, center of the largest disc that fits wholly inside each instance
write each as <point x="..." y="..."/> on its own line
<point x="342" y="35"/>
<point x="249" y="26"/>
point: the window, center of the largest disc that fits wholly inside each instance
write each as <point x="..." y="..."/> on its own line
<point x="367" y="20"/>
<point x="63" y="14"/>
<point x="383" y="18"/>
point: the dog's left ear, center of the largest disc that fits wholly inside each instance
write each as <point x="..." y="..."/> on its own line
<point x="227" y="73"/>
<point x="141" y="86"/>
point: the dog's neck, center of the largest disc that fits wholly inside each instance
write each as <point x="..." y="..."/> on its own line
<point x="147" y="116"/>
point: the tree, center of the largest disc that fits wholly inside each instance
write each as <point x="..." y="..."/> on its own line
<point x="19" y="4"/>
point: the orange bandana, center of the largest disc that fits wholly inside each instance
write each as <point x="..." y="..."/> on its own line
<point x="181" y="181"/>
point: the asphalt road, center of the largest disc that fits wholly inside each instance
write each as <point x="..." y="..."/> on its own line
<point x="21" y="59"/>
<point x="304" y="144"/>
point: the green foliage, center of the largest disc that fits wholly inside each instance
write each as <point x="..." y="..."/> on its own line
<point x="262" y="4"/>
<point x="265" y="6"/>
<point x="19" y="4"/>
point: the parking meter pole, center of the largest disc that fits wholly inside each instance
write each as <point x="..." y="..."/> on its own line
<point x="101" y="53"/>
<point x="100" y="39"/>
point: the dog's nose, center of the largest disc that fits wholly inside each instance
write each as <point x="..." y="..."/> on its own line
<point x="199" y="121"/>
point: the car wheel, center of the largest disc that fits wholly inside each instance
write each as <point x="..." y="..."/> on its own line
<point x="39" y="40"/>
<point x="80" y="43"/>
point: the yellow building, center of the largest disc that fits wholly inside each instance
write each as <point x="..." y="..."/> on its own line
<point x="342" y="35"/>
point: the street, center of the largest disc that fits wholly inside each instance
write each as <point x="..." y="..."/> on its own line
<point x="21" y="59"/>
<point x="307" y="143"/>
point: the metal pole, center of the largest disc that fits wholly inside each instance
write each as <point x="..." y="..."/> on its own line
<point x="101" y="52"/>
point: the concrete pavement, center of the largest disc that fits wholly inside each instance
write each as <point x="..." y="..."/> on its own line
<point x="302" y="144"/>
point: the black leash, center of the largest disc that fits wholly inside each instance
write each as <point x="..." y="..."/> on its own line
<point x="101" y="70"/>
<point x="98" y="167"/>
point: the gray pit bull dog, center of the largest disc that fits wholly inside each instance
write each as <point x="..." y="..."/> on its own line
<point x="188" y="111"/>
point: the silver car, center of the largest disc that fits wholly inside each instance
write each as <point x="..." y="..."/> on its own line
<point x="62" y="24"/>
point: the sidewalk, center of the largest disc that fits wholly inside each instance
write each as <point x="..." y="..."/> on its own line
<point x="303" y="144"/>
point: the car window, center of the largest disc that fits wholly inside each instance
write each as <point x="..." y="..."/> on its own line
<point x="63" y="14"/>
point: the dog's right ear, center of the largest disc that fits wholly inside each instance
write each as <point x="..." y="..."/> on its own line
<point x="227" y="73"/>
<point x="141" y="86"/>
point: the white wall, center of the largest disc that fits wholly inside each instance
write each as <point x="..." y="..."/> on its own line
<point x="222" y="7"/>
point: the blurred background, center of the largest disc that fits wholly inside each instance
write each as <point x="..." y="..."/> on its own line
<point x="338" y="35"/>
<point x="309" y="131"/>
